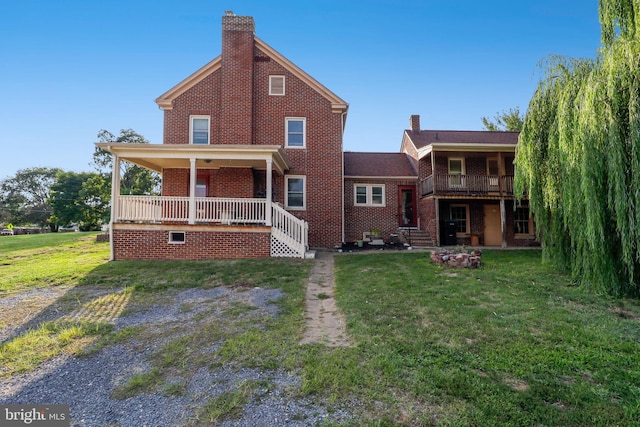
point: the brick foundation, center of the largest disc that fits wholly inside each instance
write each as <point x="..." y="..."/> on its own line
<point x="151" y="242"/>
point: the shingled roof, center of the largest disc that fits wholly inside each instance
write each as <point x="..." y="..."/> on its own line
<point x="388" y="165"/>
<point x="423" y="138"/>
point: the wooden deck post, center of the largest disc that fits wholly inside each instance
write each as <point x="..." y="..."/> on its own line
<point x="503" y="223"/>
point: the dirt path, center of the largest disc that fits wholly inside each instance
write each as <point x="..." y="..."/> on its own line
<point x="325" y="324"/>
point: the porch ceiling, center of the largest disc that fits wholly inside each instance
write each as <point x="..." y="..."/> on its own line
<point x="160" y="156"/>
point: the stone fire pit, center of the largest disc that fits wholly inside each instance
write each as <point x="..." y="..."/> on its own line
<point x="459" y="258"/>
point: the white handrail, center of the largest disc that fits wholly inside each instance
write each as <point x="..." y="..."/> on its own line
<point x="292" y="229"/>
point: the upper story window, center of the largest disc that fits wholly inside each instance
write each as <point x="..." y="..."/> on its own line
<point x="369" y="195"/>
<point x="456" y="170"/>
<point x="199" y="129"/>
<point x="296" y="133"/>
<point x="276" y="85"/>
<point x="295" y="196"/>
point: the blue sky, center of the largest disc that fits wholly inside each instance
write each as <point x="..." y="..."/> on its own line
<point x="69" y="68"/>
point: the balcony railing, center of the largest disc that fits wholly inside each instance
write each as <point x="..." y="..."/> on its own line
<point x="468" y="185"/>
<point x="176" y="209"/>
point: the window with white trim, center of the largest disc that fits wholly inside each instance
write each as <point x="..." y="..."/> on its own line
<point x="177" y="237"/>
<point x="295" y="192"/>
<point x="368" y="195"/>
<point x="199" y="129"/>
<point x="456" y="167"/>
<point x="295" y="132"/>
<point x="276" y="85"/>
<point x="460" y="214"/>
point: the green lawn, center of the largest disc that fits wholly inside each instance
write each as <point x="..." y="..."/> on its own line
<point x="512" y="343"/>
<point x="509" y="344"/>
<point x="40" y="260"/>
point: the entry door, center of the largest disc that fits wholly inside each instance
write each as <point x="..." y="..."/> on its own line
<point x="492" y="227"/>
<point x="407" y="206"/>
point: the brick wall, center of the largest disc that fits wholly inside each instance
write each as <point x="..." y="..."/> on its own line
<point x="231" y="182"/>
<point x="152" y="243"/>
<point x="236" y="98"/>
<point x="359" y="219"/>
<point x="427" y="212"/>
<point x="203" y="98"/>
<point x="320" y="162"/>
<point x="242" y="112"/>
<point x="175" y="182"/>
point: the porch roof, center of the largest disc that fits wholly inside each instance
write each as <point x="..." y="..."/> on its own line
<point x="426" y="141"/>
<point x="163" y="156"/>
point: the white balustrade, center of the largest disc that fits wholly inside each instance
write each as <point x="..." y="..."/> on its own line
<point x="208" y="209"/>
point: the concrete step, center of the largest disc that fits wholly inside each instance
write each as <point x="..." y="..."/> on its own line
<point x="418" y="238"/>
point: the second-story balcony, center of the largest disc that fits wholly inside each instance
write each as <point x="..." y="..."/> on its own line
<point x="467" y="185"/>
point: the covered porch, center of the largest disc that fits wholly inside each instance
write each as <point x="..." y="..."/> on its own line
<point x="288" y="234"/>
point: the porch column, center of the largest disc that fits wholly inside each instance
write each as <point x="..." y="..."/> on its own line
<point x="436" y="203"/>
<point x="115" y="194"/>
<point x="503" y="223"/>
<point x="501" y="173"/>
<point x="192" y="191"/>
<point x="267" y="211"/>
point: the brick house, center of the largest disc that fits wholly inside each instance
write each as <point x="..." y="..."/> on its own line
<point x="251" y="143"/>
<point x="465" y="187"/>
<point x="252" y="165"/>
<point x="442" y="188"/>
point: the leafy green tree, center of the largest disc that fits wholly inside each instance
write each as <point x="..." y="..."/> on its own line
<point x="510" y="120"/>
<point x="134" y="179"/>
<point x="579" y="157"/>
<point x="75" y="200"/>
<point x="24" y="197"/>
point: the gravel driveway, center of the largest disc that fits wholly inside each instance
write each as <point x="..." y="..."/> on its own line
<point x="87" y="383"/>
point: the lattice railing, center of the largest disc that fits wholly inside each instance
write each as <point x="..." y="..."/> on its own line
<point x="289" y="234"/>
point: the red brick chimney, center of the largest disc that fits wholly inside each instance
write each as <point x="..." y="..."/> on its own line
<point x="414" y="122"/>
<point x="236" y="109"/>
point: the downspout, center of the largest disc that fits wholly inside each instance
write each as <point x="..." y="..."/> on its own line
<point x="342" y="120"/>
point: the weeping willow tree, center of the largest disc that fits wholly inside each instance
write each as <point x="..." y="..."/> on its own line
<point x="579" y="157"/>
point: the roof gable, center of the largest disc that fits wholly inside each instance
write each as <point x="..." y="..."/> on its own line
<point x="165" y="101"/>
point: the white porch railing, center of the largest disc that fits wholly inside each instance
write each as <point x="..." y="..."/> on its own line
<point x="230" y="211"/>
<point x="289" y="235"/>
<point x="208" y="209"/>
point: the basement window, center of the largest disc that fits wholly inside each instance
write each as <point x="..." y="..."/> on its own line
<point x="177" y="237"/>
